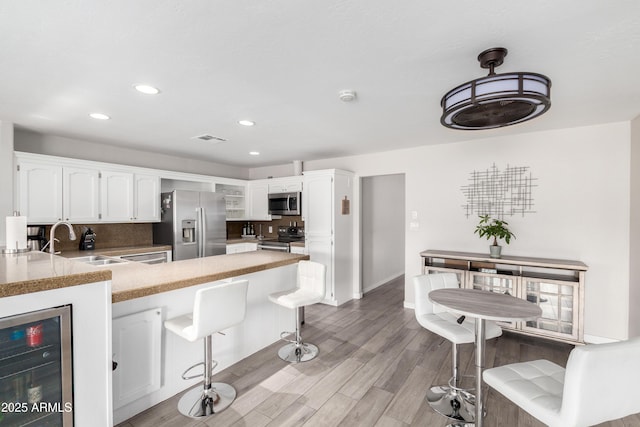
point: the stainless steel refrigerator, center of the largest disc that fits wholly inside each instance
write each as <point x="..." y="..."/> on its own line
<point x="193" y="222"/>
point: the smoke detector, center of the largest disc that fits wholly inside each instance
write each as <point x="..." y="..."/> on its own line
<point x="347" y="95"/>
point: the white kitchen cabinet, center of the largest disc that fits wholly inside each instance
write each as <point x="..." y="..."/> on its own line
<point x="39" y="195"/>
<point x="286" y="185"/>
<point x="80" y="195"/>
<point x="236" y="248"/>
<point x="48" y="193"/>
<point x="329" y="229"/>
<point x="116" y="190"/>
<point x="50" y="189"/>
<point x="146" y="197"/>
<point x="129" y="196"/>
<point x="258" y="200"/>
<point x="137" y="347"/>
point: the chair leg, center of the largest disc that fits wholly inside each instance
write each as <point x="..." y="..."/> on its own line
<point x="452" y="401"/>
<point x="298" y="351"/>
<point x="210" y="398"/>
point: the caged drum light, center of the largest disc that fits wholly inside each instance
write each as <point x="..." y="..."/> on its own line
<point x="496" y="100"/>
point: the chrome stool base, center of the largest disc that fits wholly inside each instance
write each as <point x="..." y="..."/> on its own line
<point x="196" y="403"/>
<point x="295" y="353"/>
<point x="455" y="403"/>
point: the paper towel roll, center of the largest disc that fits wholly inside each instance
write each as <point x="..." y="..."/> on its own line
<point x="16" y="232"/>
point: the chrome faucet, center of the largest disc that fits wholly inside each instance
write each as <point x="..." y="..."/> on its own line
<point x="72" y="234"/>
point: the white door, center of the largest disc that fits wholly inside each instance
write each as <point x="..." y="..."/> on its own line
<point x="39" y="192"/>
<point x="116" y="196"/>
<point x="146" y="198"/>
<point x="80" y="195"/>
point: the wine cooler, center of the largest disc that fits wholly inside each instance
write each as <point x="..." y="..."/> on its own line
<point x="36" y="380"/>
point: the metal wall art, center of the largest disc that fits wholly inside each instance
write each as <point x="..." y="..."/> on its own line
<point x="499" y="193"/>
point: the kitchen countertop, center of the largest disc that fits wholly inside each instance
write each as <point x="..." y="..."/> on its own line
<point x="38" y="271"/>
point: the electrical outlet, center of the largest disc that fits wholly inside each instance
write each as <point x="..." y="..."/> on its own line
<point x="270" y="229"/>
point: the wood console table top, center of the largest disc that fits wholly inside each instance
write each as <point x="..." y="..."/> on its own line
<point x="509" y="260"/>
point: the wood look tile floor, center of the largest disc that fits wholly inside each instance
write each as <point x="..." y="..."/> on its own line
<point x="374" y="368"/>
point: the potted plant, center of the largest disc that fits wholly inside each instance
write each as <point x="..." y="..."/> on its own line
<point x="490" y="227"/>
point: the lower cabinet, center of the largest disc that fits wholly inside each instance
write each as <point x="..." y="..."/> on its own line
<point x="301" y="250"/>
<point x="556" y="286"/>
<point x="136" y="355"/>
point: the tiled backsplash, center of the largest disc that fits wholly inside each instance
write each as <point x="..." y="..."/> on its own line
<point x="107" y="235"/>
<point x="234" y="228"/>
<point x="122" y="235"/>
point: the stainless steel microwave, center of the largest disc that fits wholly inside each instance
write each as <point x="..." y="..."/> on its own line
<point x="285" y="203"/>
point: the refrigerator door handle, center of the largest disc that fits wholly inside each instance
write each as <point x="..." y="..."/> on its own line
<point x="199" y="232"/>
<point x="203" y="231"/>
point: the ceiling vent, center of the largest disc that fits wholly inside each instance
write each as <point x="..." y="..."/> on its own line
<point x="209" y="138"/>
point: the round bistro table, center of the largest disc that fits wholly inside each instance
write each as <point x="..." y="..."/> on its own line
<point x="483" y="305"/>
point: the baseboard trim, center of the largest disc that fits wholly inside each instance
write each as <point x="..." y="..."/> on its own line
<point x="382" y="282"/>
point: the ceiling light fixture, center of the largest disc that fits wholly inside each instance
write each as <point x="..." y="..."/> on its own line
<point x="246" y="122"/>
<point x="254" y="153"/>
<point x="147" y="90"/>
<point x="496" y="100"/>
<point x="99" y="116"/>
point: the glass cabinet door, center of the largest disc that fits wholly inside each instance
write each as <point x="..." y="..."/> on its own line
<point x="498" y="283"/>
<point x="559" y="301"/>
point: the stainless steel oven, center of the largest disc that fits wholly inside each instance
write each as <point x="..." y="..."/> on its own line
<point x="285" y="203"/>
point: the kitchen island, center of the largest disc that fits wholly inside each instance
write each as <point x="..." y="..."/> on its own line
<point x="143" y="297"/>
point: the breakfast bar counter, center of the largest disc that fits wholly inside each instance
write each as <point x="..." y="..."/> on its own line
<point x="135" y="280"/>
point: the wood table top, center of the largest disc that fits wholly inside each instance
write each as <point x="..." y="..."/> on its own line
<point x="485" y="305"/>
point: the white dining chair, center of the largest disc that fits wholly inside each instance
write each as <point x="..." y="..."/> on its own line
<point x="450" y="400"/>
<point x="600" y="383"/>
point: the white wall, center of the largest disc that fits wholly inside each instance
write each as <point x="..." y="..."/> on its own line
<point x="382" y="229"/>
<point x="6" y="176"/>
<point x="32" y="142"/>
<point x="634" y="250"/>
<point x="581" y="201"/>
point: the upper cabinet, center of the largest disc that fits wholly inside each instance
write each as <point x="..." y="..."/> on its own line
<point x="129" y="197"/>
<point x="52" y="189"/>
<point x="290" y="184"/>
<point x="39" y="192"/>
<point x="80" y="194"/>
<point x="259" y="200"/>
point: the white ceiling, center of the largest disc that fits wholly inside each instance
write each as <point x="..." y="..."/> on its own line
<point x="282" y="63"/>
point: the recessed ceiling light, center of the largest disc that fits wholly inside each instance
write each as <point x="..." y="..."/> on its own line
<point x="146" y="89"/>
<point x="99" y="116"/>
<point x="254" y="153"/>
<point x="246" y="122"/>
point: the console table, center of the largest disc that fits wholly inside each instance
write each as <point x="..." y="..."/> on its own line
<point x="556" y="286"/>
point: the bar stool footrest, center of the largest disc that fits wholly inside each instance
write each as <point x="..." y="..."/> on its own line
<point x="184" y="377"/>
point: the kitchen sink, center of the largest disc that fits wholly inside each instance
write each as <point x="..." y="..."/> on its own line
<point x="99" y="260"/>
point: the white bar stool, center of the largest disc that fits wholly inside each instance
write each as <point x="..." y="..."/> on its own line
<point x="453" y="400"/>
<point x="310" y="289"/>
<point x="215" y="308"/>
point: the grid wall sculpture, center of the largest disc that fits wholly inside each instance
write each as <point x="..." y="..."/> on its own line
<point x="499" y="193"/>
